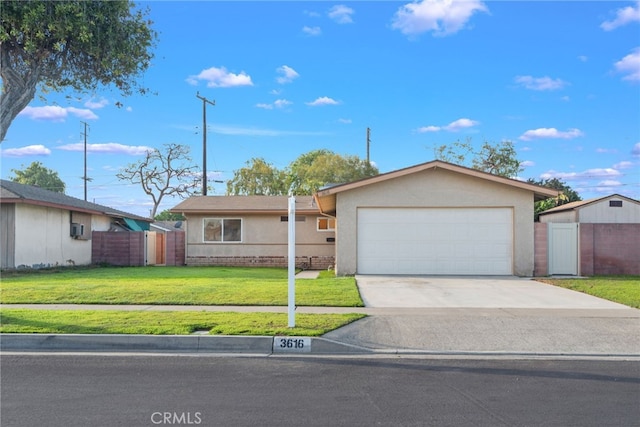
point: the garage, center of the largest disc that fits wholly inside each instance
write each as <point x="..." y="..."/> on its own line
<point x="441" y="241"/>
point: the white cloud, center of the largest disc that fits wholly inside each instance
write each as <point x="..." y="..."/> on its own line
<point x="630" y="65"/>
<point x="425" y="129"/>
<point x="583" y="58"/>
<point x="341" y="14"/>
<point x="454" y="126"/>
<point x="323" y="100"/>
<point x="345" y="121"/>
<point x="287" y="74"/>
<point x="461" y="124"/>
<point x="108" y="148"/>
<point x="606" y="150"/>
<point x="251" y="131"/>
<point x="588" y="174"/>
<point x="623" y="165"/>
<point x="220" y="77"/>
<point x="635" y="151"/>
<point x="311" y="31"/>
<point x="56" y="113"/>
<point x="278" y="103"/>
<point x="540" y="83"/>
<point x="609" y="183"/>
<point x="527" y="164"/>
<point x="101" y="103"/>
<point x="281" y="103"/>
<point x="442" y="17"/>
<point x="624" y="16"/>
<point x="550" y="133"/>
<point x="29" y="150"/>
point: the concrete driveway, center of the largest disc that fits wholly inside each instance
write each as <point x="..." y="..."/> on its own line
<point x="482" y="315"/>
<point x="471" y="292"/>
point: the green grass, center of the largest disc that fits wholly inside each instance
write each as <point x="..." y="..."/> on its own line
<point x="167" y="322"/>
<point x="621" y="289"/>
<point x="175" y="286"/>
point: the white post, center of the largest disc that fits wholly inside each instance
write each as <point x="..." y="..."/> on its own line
<point x="292" y="262"/>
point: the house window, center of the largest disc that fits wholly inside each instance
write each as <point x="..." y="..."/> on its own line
<point x="615" y="203"/>
<point x="326" y="224"/>
<point x="222" y="230"/>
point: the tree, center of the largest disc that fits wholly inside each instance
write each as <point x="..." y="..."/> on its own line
<point x="303" y="176"/>
<point x="164" y="173"/>
<point x="315" y="169"/>
<point x="38" y="175"/>
<point x="258" y="178"/>
<point x="498" y="159"/>
<point x="567" y="195"/>
<point x="168" y="216"/>
<point x="70" y="44"/>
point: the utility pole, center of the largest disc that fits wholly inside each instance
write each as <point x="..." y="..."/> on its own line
<point x="368" y="144"/>
<point x="85" y="159"/>
<point x="205" y="101"/>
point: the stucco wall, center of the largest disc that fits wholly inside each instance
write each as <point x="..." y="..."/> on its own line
<point x="42" y="238"/>
<point x="435" y="188"/>
<point x="262" y="236"/>
<point x="561" y="217"/>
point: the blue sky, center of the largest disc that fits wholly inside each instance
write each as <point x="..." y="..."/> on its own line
<point x="561" y="80"/>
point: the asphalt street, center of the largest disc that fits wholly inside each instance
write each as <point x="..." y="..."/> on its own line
<point x="144" y="390"/>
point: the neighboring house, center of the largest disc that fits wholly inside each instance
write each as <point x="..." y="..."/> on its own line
<point x="253" y="231"/>
<point x="590" y="237"/>
<point x="434" y="218"/>
<point x="42" y="228"/>
<point x="613" y="209"/>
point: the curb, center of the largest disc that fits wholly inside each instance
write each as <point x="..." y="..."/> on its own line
<point x="173" y="343"/>
<point x="253" y="345"/>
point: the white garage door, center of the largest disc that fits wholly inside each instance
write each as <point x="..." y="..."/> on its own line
<point x="435" y="241"/>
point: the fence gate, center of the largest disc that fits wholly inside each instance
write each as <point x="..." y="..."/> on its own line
<point x="150" y="248"/>
<point x="563" y="248"/>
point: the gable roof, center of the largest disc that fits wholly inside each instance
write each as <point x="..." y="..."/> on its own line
<point x="232" y="205"/>
<point x="582" y="203"/>
<point x="326" y="198"/>
<point x="13" y="192"/>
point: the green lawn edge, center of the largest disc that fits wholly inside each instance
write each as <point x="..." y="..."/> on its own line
<point x="33" y="321"/>
<point x="621" y="289"/>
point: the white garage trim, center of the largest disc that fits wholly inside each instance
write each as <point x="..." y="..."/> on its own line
<point x="448" y="241"/>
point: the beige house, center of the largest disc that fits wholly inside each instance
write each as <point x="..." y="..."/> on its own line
<point x="434" y="218"/>
<point x="41" y="228"/>
<point x="253" y="231"/>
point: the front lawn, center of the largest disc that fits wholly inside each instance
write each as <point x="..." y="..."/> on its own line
<point x="167" y="323"/>
<point x="175" y="286"/>
<point x="621" y="289"/>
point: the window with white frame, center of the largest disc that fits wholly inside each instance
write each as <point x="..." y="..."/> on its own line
<point x="326" y="224"/>
<point x="221" y="230"/>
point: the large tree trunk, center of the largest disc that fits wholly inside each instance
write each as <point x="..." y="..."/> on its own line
<point x="17" y="91"/>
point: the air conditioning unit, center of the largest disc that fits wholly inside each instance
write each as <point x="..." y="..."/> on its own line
<point x="77" y="230"/>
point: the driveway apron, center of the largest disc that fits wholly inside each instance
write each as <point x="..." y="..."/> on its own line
<point x="508" y="315"/>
